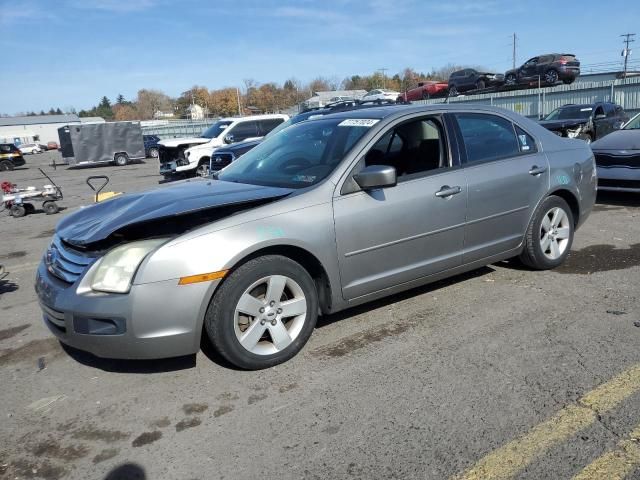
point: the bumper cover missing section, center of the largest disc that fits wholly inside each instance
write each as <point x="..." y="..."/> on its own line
<point x="154" y="320"/>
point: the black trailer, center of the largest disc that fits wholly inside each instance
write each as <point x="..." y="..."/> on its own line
<point x="94" y="143"/>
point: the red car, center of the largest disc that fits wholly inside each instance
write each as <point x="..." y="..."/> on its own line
<point x="52" y="145"/>
<point x="424" y="90"/>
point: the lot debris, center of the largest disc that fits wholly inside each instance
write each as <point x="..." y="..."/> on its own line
<point x="616" y="312"/>
<point x="41" y="364"/>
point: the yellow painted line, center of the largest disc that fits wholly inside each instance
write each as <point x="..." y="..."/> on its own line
<point x="616" y="464"/>
<point x="506" y="461"/>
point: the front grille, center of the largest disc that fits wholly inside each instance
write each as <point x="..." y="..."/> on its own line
<point x="221" y="160"/>
<point x="170" y="154"/>
<point x="603" y="182"/>
<point x="606" y="160"/>
<point x="65" y="263"/>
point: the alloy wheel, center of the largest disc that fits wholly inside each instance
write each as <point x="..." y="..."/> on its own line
<point x="551" y="76"/>
<point x="270" y="315"/>
<point x="555" y="232"/>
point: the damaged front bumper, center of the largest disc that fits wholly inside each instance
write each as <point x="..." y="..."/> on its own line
<point x="154" y="320"/>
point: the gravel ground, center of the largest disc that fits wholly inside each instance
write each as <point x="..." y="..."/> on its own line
<point x="421" y="385"/>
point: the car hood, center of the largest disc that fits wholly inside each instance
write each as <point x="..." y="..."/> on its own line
<point x="619" y="140"/>
<point x="175" y="142"/>
<point x="566" y="123"/>
<point x="158" y="209"/>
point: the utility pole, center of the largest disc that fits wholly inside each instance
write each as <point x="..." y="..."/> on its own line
<point x="513" y="63"/>
<point x="383" y="70"/>
<point x="628" y="38"/>
<point x="238" y="98"/>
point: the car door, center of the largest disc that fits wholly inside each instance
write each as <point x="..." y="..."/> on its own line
<point x="506" y="175"/>
<point x="529" y="70"/>
<point x="394" y="235"/>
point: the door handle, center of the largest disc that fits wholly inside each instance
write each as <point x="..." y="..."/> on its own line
<point x="536" y="170"/>
<point x="447" y="191"/>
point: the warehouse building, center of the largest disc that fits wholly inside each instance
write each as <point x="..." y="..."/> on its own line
<point x="38" y="128"/>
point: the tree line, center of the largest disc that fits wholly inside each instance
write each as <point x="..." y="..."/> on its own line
<point x="268" y="97"/>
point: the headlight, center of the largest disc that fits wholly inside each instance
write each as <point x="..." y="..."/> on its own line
<point x="117" y="268"/>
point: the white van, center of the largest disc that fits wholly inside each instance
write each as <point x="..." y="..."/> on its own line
<point x="190" y="156"/>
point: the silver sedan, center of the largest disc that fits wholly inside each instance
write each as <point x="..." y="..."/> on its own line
<point x="327" y="214"/>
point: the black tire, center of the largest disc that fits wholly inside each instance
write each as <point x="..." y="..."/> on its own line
<point x="18" y="211"/>
<point x="121" y="159"/>
<point x="532" y="254"/>
<point x="586" y="137"/>
<point x="453" y="91"/>
<point x="425" y="95"/>
<point x="220" y="316"/>
<point x="480" y="84"/>
<point x="6" y="166"/>
<point x="551" y="76"/>
<point x="153" y="152"/>
<point x="510" y="79"/>
<point x="50" y="207"/>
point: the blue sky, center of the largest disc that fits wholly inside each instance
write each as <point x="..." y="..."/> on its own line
<point x="68" y="53"/>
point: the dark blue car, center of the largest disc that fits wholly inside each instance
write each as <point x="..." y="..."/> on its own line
<point x="151" y="145"/>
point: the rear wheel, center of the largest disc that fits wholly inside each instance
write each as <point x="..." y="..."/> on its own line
<point x="18" y="211"/>
<point x="510" y="79"/>
<point x="5" y="166"/>
<point x="549" y="235"/>
<point x="425" y="95"/>
<point x="453" y="91"/>
<point x="551" y="76"/>
<point x="153" y="152"/>
<point x="263" y="313"/>
<point x="121" y="159"/>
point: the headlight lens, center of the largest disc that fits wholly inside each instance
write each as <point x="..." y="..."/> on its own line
<point x="117" y="268"/>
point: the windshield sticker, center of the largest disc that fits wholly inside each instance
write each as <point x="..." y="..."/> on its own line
<point x="359" y="122"/>
<point x="523" y="143"/>
<point x="304" y="178"/>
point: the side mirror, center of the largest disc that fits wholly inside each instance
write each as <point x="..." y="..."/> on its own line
<point x="600" y="116"/>
<point x="376" y="176"/>
<point x="228" y="138"/>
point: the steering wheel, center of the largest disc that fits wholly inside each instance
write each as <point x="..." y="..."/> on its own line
<point x="295" y="164"/>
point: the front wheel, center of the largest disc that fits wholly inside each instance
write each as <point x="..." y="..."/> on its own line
<point x="263" y="313"/>
<point x="549" y="235"/>
<point x="153" y="152"/>
<point x="6" y="166"/>
<point x="480" y="85"/>
<point x="510" y="79"/>
<point x="453" y="91"/>
<point x="551" y="77"/>
<point x="18" y="211"/>
<point x="425" y="95"/>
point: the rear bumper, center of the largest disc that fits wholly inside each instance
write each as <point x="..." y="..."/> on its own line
<point x="156" y="320"/>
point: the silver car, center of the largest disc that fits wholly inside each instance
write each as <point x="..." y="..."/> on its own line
<point x="327" y="214"/>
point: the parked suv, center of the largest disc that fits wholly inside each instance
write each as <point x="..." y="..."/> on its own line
<point x="10" y="157"/>
<point x="151" y="145"/>
<point x="550" y="68"/>
<point x="190" y="156"/>
<point x="326" y="215"/>
<point x="587" y="122"/>
<point x="471" y="79"/>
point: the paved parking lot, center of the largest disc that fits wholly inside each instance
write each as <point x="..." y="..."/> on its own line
<point x="499" y="373"/>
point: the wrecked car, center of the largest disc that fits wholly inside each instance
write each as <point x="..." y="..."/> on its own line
<point x="329" y="213"/>
<point x="190" y="156"/>
<point x="618" y="158"/>
<point x="587" y="122"/>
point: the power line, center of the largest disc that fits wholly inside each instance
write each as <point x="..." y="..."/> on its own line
<point x="626" y="52"/>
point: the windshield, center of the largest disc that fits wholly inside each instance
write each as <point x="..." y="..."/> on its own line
<point x="299" y="156"/>
<point x="634" y="123"/>
<point x="569" y="113"/>
<point x="216" y="129"/>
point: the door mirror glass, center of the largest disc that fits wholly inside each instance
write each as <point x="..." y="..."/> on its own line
<point x="376" y="176"/>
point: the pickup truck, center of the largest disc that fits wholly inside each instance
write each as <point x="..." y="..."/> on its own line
<point x="424" y="90"/>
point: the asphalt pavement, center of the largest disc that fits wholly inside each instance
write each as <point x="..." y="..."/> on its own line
<point x="503" y="372"/>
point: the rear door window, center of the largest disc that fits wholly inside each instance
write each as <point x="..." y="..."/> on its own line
<point x="267" y="125"/>
<point x="487" y="137"/>
<point x="244" y="130"/>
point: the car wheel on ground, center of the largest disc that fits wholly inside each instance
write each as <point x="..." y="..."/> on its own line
<point x="551" y="76"/>
<point x="510" y="79"/>
<point x="121" y="159"/>
<point x="153" y="152"/>
<point x="549" y="235"/>
<point x="263" y="313"/>
<point x="6" y="165"/>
